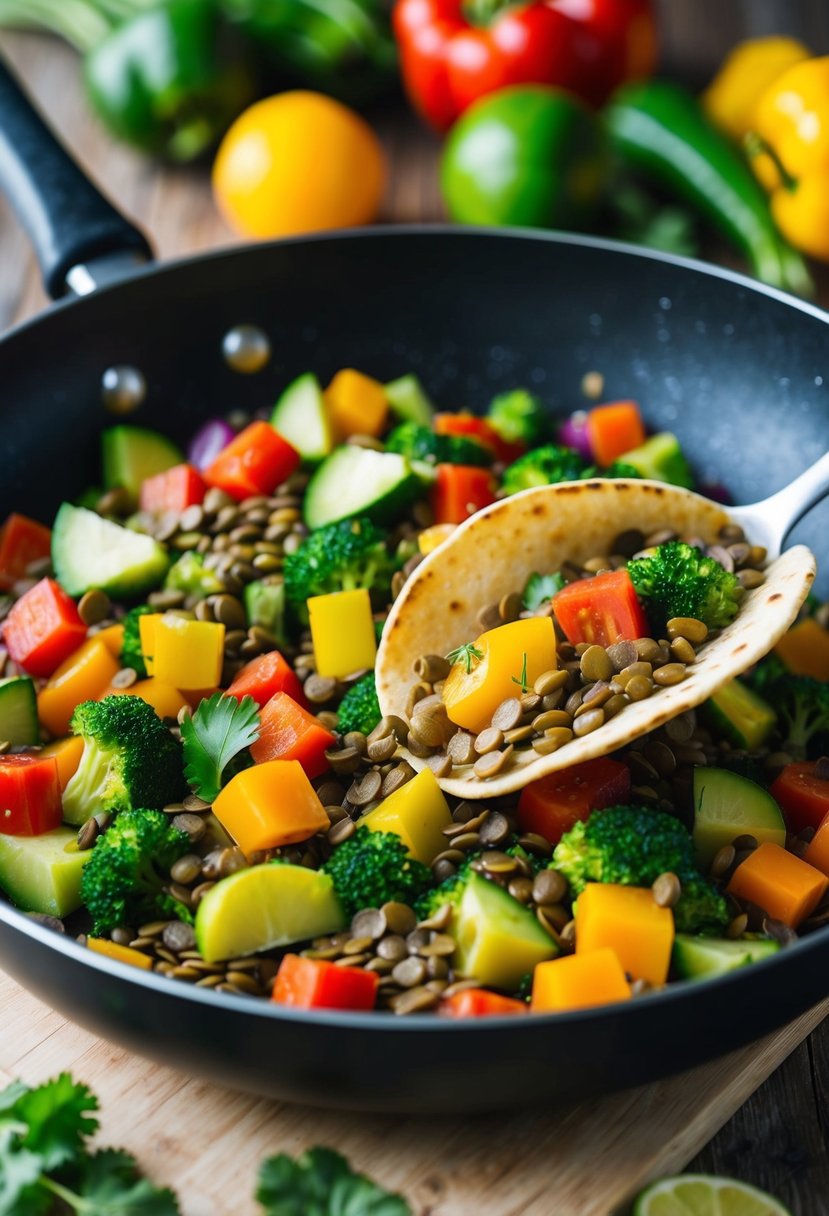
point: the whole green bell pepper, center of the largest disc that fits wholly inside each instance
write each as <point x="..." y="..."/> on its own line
<point x="527" y="156"/>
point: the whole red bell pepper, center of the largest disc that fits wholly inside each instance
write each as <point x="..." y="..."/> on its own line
<point x="454" y="51"/>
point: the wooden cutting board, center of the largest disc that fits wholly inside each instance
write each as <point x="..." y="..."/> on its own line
<point x="206" y="1141"/>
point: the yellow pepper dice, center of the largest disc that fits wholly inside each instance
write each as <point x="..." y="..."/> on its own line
<point x="113" y="638"/>
<point x="357" y="404"/>
<point x="84" y="676"/>
<point x="629" y="921"/>
<point x="747" y="71"/>
<point x="146" y="632"/>
<point x="472" y="697"/>
<point x="186" y="654"/>
<point x="121" y="954"/>
<point x="270" y="805"/>
<point x="417" y="813"/>
<point x="342" y="631"/>
<point x="165" y="700"/>
<point x="578" y="981"/>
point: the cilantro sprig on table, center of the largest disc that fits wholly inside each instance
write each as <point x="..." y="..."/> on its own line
<point x="322" y="1183"/>
<point x="214" y="737"/>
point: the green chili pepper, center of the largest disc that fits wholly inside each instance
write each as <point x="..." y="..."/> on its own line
<point x="660" y="130"/>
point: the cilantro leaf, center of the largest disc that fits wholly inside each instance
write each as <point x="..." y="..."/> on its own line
<point x="322" y="1183"/>
<point x="540" y="588"/>
<point x="108" y="1183"/>
<point x="20" y="1193"/>
<point x="219" y="730"/>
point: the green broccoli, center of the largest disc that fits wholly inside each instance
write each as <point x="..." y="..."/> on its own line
<point x="618" y="468"/>
<point x="680" y="580"/>
<point x="359" y="708"/>
<point x="701" y="907"/>
<point x="540" y="588"/>
<point x="449" y="891"/>
<point x="343" y="556"/>
<point x="131" y="653"/>
<point x="519" y="417"/>
<point x="802" y="707"/>
<point x="124" y="879"/>
<point x="371" y="868"/>
<point x="545" y="466"/>
<point x="129" y="759"/>
<point x="190" y="575"/>
<point x="420" y="443"/>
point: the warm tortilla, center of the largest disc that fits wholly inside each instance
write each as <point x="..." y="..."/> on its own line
<point x="497" y="550"/>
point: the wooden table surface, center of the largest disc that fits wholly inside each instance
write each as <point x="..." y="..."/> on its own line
<point x="778" y="1139"/>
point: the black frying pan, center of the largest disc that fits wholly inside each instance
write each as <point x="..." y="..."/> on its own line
<point x="740" y="371"/>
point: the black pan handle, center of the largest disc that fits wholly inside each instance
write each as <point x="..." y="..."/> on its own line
<point x="68" y="220"/>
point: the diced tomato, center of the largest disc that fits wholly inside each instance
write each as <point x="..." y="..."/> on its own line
<point x="265" y="676"/>
<point x="602" y="610"/>
<point x="614" y="429"/>
<point x="472" y="427"/>
<point x="307" y="983"/>
<point x="255" y="462"/>
<point x="479" y="1003"/>
<point x="175" y="489"/>
<point x="459" y="491"/>
<point x="29" y="795"/>
<point x="22" y="541"/>
<point x="43" y="628"/>
<point x="802" y="797"/>
<point x="551" y="805"/>
<point x="289" y="732"/>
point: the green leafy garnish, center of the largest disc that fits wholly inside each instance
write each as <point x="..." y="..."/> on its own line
<point x="465" y="654"/>
<point x="322" y="1183"/>
<point x="540" y="588"/>
<point x="522" y="680"/>
<point x="221" y="729"/>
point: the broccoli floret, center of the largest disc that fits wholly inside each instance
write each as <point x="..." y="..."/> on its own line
<point x="123" y="881"/>
<point x="540" y="588"/>
<point x="680" y="580"/>
<point x="189" y="575"/>
<point x="371" y="868"/>
<point x="129" y="759"/>
<point x="344" y="556"/>
<point x="359" y="708"/>
<point x="701" y="907"/>
<point x="421" y="443"/>
<point x="632" y="845"/>
<point x="618" y="468"/>
<point x="544" y="466"/>
<point x="802" y="707"/>
<point x="131" y="653"/>
<point x="519" y="417"/>
<point x="450" y="891"/>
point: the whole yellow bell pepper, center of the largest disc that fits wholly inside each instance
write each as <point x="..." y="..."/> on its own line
<point x="747" y="71"/>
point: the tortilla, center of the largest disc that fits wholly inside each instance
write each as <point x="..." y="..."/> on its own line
<point x="495" y="551"/>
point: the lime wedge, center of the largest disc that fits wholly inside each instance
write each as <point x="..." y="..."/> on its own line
<point x="705" y="1195"/>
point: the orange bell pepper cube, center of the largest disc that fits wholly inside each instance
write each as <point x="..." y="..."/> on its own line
<point x="628" y="921"/>
<point x="614" y="429"/>
<point x="85" y="676"/>
<point x="43" y="628"/>
<point x="479" y="1003"/>
<point x="121" y="954"/>
<point x="579" y="981"/>
<point x="289" y="732"/>
<point x="113" y="639"/>
<point x="22" y="541"/>
<point x="165" y="700"/>
<point x="175" y="489"/>
<point x="459" y="490"/>
<point x="551" y="805"/>
<point x="471" y="697"/>
<point x="67" y="752"/>
<point x="805" y="649"/>
<point x="29" y="795"/>
<point x="270" y="805"/>
<point x="470" y="426"/>
<point x="784" y="886"/>
<point x="265" y="676"/>
<point x="357" y="404"/>
<point x="802" y="797"/>
<point x="817" y="854"/>
<point x="601" y="610"/>
<point x="255" y="462"/>
<point x="307" y="983"/>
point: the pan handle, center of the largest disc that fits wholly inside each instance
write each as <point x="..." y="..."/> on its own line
<point x="69" y="222"/>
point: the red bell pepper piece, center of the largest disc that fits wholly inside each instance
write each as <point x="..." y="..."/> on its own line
<point x="255" y="462"/>
<point x="470" y="426"/>
<point x="29" y="795"/>
<point x="479" y="1003"/>
<point x="289" y="732"/>
<point x="265" y="676"/>
<point x="802" y="797"/>
<point x="43" y="628"/>
<point x="173" y="490"/>
<point x="601" y="610"/>
<point x="551" y="805"/>
<point x="22" y="541"/>
<point x="459" y="490"/>
<point x="307" y="983"/>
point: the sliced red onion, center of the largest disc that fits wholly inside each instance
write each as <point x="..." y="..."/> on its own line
<point x="717" y="491"/>
<point x="208" y="441"/>
<point x="573" y="434"/>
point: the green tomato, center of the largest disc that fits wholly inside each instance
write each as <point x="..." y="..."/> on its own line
<point x="526" y="156"/>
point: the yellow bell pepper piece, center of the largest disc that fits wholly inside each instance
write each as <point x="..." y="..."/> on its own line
<point x="629" y="921"/>
<point x="472" y="696"/>
<point x="805" y="649"/>
<point x="165" y="700"/>
<point x="68" y="754"/>
<point x="578" y="981"/>
<point x="84" y="676"/>
<point x="430" y="538"/>
<point x="357" y="405"/>
<point x="417" y="813"/>
<point x="113" y="639"/>
<point x="342" y="630"/>
<point x="121" y="954"/>
<point x="270" y="805"/>
<point x="146" y="632"/>
<point x="187" y="654"/>
<point x="746" y="73"/>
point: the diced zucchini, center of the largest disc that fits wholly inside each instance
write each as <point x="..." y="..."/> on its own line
<point x="131" y="454"/>
<point x="727" y="805"/>
<point x="698" y="958"/>
<point x="408" y="399"/>
<point x="359" y="481"/>
<point x="43" y="873"/>
<point x="88" y="551"/>
<point x="300" y="415"/>
<point x="737" y="712"/>
<point x="265" y="607"/>
<point x="499" y="940"/>
<point x="18" y="711"/>
<point x="660" y="458"/>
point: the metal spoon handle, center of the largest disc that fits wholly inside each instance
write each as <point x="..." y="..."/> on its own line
<point x="770" y="521"/>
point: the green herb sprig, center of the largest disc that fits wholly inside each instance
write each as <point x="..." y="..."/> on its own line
<point x="466" y="654"/>
<point x="218" y="733"/>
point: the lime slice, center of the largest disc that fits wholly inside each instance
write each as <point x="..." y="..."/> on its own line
<point x="705" y="1195"/>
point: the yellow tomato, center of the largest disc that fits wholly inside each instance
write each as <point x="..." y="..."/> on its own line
<point x="298" y="162"/>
